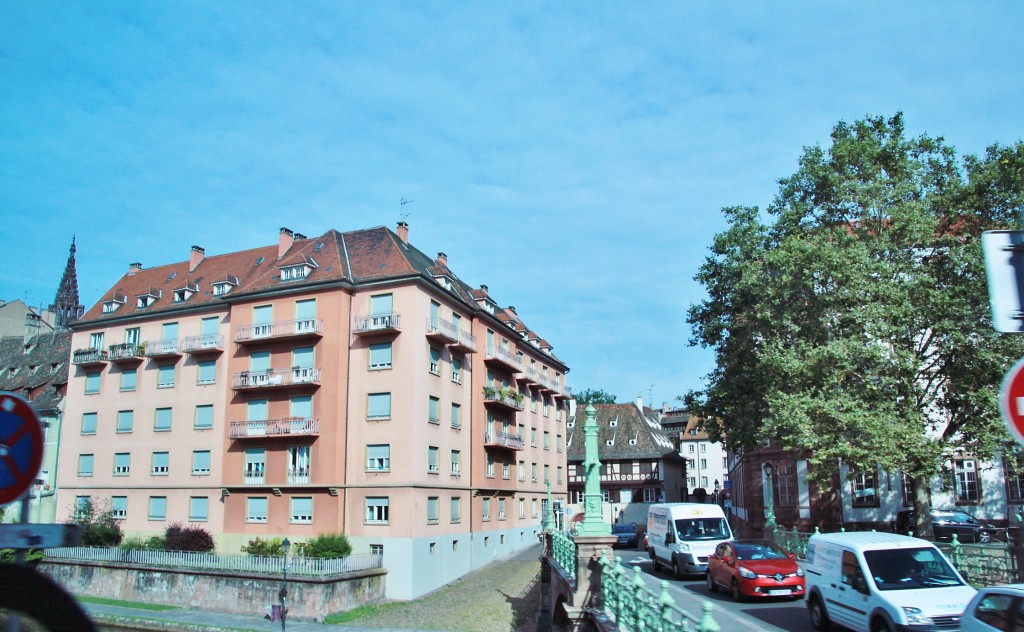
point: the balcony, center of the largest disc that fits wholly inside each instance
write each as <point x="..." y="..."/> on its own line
<point x="465" y="344"/>
<point x="88" y="357"/>
<point x="288" y="427"/>
<point x="126" y="353"/>
<point x="205" y="344"/>
<point x="377" y="324"/>
<point x="280" y="330"/>
<point x="298" y="476"/>
<point x="505" y="398"/>
<point x="275" y="378"/>
<point x="547" y="385"/>
<point x="502" y="357"/>
<point x="503" y="440"/>
<point x="442" y="331"/>
<point x="527" y="374"/>
<point x="253" y="477"/>
<point x="170" y="347"/>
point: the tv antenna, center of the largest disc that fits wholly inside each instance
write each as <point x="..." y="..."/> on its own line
<point x="403" y="202"/>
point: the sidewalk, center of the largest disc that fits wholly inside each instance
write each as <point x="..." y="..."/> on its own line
<point x="501" y="597"/>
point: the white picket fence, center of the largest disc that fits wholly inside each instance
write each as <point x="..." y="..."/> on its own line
<point x="297" y="566"/>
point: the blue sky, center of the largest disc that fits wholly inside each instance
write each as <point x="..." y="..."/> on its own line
<point x="573" y="156"/>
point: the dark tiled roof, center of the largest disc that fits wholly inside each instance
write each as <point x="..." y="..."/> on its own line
<point x="630" y="423"/>
<point x="41" y="375"/>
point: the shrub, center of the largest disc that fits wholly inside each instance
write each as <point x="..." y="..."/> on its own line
<point x="328" y="545"/>
<point x="191" y="538"/>
<point x="259" y="546"/>
<point x="99" y="528"/>
<point x="152" y="543"/>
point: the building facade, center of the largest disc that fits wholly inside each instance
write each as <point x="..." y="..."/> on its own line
<point x="707" y="463"/>
<point x="345" y="383"/>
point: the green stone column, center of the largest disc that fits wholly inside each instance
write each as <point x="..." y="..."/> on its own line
<point x="593" y="520"/>
<point x="550" y="513"/>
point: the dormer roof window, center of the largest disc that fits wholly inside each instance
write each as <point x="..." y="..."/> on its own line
<point x="445" y="282"/>
<point x="117" y="301"/>
<point x="298" y="271"/>
<point x="182" y="294"/>
<point x="224" y="286"/>
<point x="145" y="300"/>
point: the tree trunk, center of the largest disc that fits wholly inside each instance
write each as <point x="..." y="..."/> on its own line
<point x="923" y="509"/>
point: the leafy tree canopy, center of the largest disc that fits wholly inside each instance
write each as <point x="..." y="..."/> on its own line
<point x="855" y="323"/>
<point x="594" y="396"/>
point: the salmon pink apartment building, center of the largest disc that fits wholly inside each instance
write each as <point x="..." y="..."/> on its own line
<point x="344" y="383"/>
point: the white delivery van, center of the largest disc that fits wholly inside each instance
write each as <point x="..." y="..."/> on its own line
<point x="882" y="582"/>
<point x="683" y="535"/>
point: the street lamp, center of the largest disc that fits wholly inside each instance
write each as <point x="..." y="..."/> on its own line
<point x="282" y="594"/>
<point x="716" y="491"/>
<point x="769" y="501"/>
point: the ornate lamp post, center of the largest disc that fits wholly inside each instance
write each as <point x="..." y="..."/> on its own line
<point x="769" y="501"/>
<point x="593" y="520"/>
<point x="282" y="594"/>
<point x="715" y="497"/>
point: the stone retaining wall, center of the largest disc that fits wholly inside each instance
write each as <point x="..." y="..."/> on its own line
<point x="308" y="599"/>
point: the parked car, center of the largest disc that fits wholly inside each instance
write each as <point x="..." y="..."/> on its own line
<point x="946" y="522"/>
<point x="755" y="569"/>
<point x="628" y="535"/>
<point x="995" y="608"/>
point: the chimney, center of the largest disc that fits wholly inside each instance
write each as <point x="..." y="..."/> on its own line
<point x="403" y="232"/>
<point x="640" y="402"/>
<point x="195" y="258"/>
<point x="442" y="260"/>
<point x="512" y="309"/>
<point x="299" y="236"/>
<point x="484" y="288"/>
<point x="133" y="268"/>
<point x="285" y="242"/>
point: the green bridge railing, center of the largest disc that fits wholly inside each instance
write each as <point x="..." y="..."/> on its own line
<point x="563" y="551"/>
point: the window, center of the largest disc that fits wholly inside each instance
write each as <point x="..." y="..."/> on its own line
<point x="486" y="509"/>
<point x="501" y="509"/>
<point x="119" y="507"/>
<point x="255" y="464"/>
<point x="1013" y="465"/>
<point x="456" y="462"/>
<point x="163" y="419"/>
<point x="82" y="503"/>
<point x="435" y="360"/>
<point x="377" y="509"/>
<point x="302" y="406"/>
<point x="198" y="508"/>
<point x="378" y="458"/>
<point x="256" y="509"/>
<point x="88" y="423"/>
<point x="380" y="356"/>
<point x="864" y="490"/>
<point x="295" y="272"/>
<point x="997" y="610"/>
<point x="161" y="463"/>
<point x="547" y="440"/>
<point x="490" y="465"/>
<point x="533" y="437"/>
<point x="262" y="319"/>
<point x="456" y="507"/>
<point x="522" y="470"/>
<point x="169" y="336"/>
<point x="433" y="412"/>
<point x="650" y="495"/>
<point x="125" y="420"/>
<point x="908" y="490"/>
<point x="165" y="376"/>
<point x="785" y="477"/>
<point x="92" y="382"/>
<point x="547" y="473"/>
<point x="381" y="312"/>
<point x="457" y="370"/>
<point x="704" y="484"/>
<point x="533" y="472"/>
<point x="432" y="459"/>
<point x="208" y="329"/>
<point x="456" y="416"/>
<point x="204" y="416"/>
<point x="533" y="507"/>
<point x="691" y="448"/>
<point x="558" y="442"/>
<point x="298" y="465"/>
<point x="207" y="372"/>
<point x="378" y="406"/>
<point x="259" y="361"/>
<point x="157" y="507"/>
<point x="85" y="463"/>
<point x="376" y="549"/>
<point x="122" y="463"/>
<point x="96" y="341"/>
<point x="256" y="410"/>
<point x="522" y="508"/>
<point x="128" y="379"/>
<point x="559" y="480"/>
<point x="968" y="485"/>
<point x="505" y="474"/>
<point x="201" y="462"/>
<point x="432" y="506"/>
<point x="302" y="510"/>
<point x="302" y="357"/>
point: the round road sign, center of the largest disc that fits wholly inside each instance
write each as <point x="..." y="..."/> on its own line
<point x="21" y="446"/>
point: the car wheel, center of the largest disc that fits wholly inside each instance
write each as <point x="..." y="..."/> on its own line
<point x="675" y="568"/>
<point x="712" y="586"/>
<point x="819" y="617"/>
<point x="736" y="594"/>
<point x="657" y="564"/>
<point x="880" y="625"/>
<point x="984" y="537"/>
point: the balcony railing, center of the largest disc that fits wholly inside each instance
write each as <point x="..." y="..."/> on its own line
<point x="377" y="324"/>
<point x="273" y="378"/>
<point x="502" y="356"/>
<point x="466" y="343"/>
<point x="253" y="478"/>
<point x="504" y="398"/>
<point x="280" y="329"/>
<point x="86" y="357"/>
<point x="503" y="440"/>
<point x="527" y="374"/>
<point x="298" y="476"/>
<point x="442" y="330"/>
<point x="125" y="352"/>
<point x="274" y="427"/>
<point x="159" y="348"/>
<point x="207" y="343"/>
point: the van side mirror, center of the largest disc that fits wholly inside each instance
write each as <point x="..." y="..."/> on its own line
<point x="860" y="585"/>
<point x="670" y="538"/>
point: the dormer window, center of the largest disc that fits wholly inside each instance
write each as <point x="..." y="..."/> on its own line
<point x="182" y="294"/>
<point x="145" y="300"/>
<point x="445" y="282"/>
<point x="297" y="271"/>
<point x="222" y="287"/>
<point x="112" y="305"/>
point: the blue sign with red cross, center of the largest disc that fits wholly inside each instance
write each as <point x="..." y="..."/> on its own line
<point x="21" y="446"/>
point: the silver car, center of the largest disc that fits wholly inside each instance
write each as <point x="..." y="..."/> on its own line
<point x="995" y="608"/>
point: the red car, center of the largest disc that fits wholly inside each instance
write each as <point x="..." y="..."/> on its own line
<point x="755" y="569"/>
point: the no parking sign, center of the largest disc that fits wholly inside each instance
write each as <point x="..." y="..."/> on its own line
<point x="21" y="446"/>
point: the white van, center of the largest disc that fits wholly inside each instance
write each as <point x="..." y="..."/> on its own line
<point x="683" y="535"/>
<point x="882" y="582"/>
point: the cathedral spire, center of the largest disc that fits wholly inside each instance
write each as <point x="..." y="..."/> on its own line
<point x="65" y="307"/>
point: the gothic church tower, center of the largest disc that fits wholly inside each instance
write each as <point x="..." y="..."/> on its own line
<point x="65" y="306"/>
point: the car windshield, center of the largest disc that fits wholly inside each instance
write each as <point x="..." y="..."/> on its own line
<point x="624" y="528"/>
<point x="904" y="569"/>
<point x="759" y="551"/>
<point x="702" y="529"/>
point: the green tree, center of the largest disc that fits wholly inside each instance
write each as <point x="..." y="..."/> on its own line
<point x="99" y="527"/>
<point x="594" y="396"/>
<point x="855" y="323"/>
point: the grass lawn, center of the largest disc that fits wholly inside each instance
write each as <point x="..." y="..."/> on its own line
<point x="100" y="601"/>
